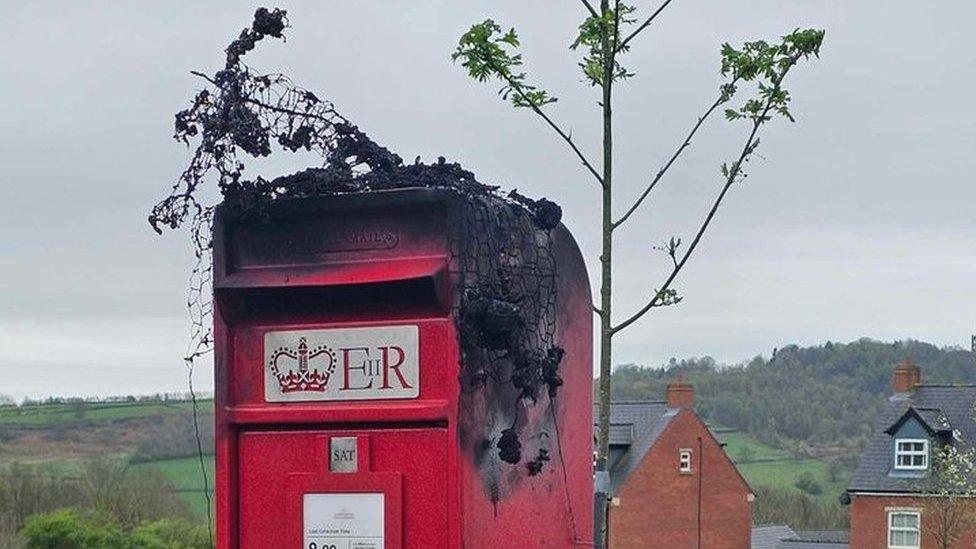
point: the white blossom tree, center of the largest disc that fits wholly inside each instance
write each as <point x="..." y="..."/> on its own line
<point x="950" y="490"/>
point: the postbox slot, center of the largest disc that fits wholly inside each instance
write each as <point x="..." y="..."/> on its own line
<point x="351" y="238"/>
<point x="423" y="296"/>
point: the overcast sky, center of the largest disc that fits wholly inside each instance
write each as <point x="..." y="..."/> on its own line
<point x="855" y="221"/>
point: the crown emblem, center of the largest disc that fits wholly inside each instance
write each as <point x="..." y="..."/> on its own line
<point x="303" y="378"/>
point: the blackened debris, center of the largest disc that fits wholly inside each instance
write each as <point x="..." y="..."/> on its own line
<point x="535" y="465"/>
<point x="550" y="370"/>
<point x="509" y="447"/>
<point x="300" y="139"/>
<point x="526" y="376"/>
<point x="545" y="213"/>
<point x="266" y="23"/>
<point x="494" y="321"/>
<point x="529" y="373"/>
<point x="270" y="23"/>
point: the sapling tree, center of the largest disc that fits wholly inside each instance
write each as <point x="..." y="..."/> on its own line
<point x="608" y="31"/>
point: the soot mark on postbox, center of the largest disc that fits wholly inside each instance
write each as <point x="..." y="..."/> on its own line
<point x="506" y="319"/>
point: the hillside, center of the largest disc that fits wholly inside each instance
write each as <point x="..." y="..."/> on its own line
<point x="62" y="439"/>
<point x="817" y="401"/>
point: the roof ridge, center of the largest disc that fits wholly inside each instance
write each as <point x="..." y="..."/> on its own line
<point x="635" y="402"/>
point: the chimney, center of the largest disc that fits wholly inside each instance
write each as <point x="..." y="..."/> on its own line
<point x="907" y="376"/>
<point x="681" y="394"/>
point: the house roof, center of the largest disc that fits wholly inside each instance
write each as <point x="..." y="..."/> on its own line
<point x="768" y="536"/>
<point x="811" y="544"/>
<point x="940" y="407"/>
<point x="621" y="434"/>
<point x="780" y="536"/>
<point x="642" y="421"/>
<point x="932" y="419"/>
<point x="822" y="536"/>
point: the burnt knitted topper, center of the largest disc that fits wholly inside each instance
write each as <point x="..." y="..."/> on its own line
<point x="502" y="259"/>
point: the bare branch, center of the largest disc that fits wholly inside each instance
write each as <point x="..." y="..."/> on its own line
<point x="538" y="110"/>
<point x="671" y="249"/>
<point x="596" y="310"/>
<point x="204" y="76"/>
<point x="684" y="145"/>
<point x="643" y="25"/>
<point x="731" y="177"/>
<point x="589" y="7"/>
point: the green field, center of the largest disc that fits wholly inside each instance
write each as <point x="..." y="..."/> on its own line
<point x="775" y="468"/>
<point x="185" y="476"/>
<point x="738" y="444"/>
<point x="43" y="415"/>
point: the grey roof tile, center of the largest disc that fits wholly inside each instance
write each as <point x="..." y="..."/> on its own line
<point x="835" y="536"/>
<point x="621" y="434"/>
<point x="768" y="536"/>
<point x="805" y="544"/>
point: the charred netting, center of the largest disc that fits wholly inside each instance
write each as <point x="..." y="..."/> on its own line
<point x="502" y="258"/>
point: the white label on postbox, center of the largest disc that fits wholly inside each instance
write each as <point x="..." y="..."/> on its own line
<point x="342" y="364"/>
<point x="343" y="521"/>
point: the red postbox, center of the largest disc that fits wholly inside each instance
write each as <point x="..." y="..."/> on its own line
<point x="346" y="416"/>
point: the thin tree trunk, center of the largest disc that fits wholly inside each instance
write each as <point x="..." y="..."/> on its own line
<point x="606" y="289"/>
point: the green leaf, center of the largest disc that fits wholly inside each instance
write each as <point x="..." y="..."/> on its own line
<point x="487" y="53"/>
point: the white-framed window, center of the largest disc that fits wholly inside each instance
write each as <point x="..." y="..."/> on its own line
<point x="684" y="460"/>
<point x="911" y="453"/>
<point x="904" y="529"/>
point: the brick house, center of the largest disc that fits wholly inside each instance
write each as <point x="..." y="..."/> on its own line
<point x="886" y="494"/>
<point x="671" y="483"/>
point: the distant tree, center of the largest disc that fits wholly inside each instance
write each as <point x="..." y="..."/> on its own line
<point x="129" y="498"/>
<point x="798" y="509"/>
<point x="79" y="408"/>
<point x="171" y="534"/>
<point x="73" y="529"/>
<point x="86" y="529"/>
<point x="132" y="497"/>
<point x="809" y="484"/>
<point x="834" y="470"/>
<point x="607" y="32"/>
